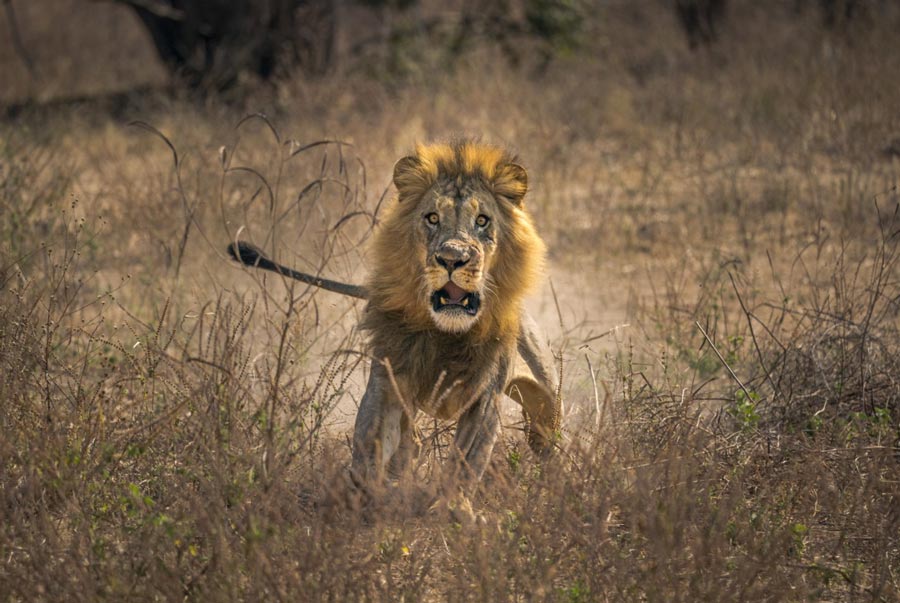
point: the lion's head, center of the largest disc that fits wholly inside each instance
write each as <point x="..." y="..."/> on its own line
<point x="456" y="250"/>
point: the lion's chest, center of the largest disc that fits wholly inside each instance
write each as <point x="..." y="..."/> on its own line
<point x="443" y="378"/>
<point x="447" y="403"/>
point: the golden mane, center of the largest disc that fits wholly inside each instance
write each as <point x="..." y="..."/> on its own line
<point x="494" y="166"/>
<point x="395" y="285"/>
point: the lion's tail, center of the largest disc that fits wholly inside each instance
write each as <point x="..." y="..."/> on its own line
<point x="251" y="255"/>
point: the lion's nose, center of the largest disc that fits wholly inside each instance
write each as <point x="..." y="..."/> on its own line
<point x="452" y="257"/>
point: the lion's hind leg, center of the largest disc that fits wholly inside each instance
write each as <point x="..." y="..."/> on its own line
<point x="534" y="386"/>
<point x="541" y="409"/>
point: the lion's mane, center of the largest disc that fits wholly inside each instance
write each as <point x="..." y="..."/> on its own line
<point x="393" y="282"/>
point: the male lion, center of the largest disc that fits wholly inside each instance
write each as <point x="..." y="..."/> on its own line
<point x="453" y="257"/>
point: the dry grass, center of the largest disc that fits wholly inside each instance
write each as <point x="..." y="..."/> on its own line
<point x="173" y="427"/>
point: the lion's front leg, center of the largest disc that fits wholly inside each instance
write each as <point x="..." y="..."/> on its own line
<point x="476" y="433"/>
<point x="377" y="433"/>
<point x="408" y="450"/>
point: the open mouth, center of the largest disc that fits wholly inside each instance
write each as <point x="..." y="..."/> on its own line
<point x="453" y="298"/>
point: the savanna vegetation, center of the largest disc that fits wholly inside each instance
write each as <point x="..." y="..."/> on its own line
<point x="721" y="210"/>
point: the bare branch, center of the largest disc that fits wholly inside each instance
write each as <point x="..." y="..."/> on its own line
<point x="722" y="360"/>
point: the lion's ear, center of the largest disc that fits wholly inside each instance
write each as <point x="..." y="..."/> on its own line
<point x="407" y="172"/>
<point x="511" y="182"/>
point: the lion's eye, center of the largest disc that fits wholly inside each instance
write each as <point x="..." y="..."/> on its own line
<point x="432" y="218"/>
<point x="482" y="221"/>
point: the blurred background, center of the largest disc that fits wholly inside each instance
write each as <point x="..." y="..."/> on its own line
<point x="64" y="49"/>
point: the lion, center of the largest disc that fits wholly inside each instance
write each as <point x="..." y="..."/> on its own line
<point x="454" y="256"/>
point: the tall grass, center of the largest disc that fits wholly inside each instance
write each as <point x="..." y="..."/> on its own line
<point x="174" y="427"/>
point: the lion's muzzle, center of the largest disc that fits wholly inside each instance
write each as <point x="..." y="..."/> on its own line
<point x="455" y="279"/>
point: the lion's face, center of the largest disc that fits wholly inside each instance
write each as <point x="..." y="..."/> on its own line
<point x="458" y="222"/>
<point x="457" y="250"/>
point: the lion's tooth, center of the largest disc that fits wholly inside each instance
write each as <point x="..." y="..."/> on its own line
<point x="443" y="301"/>
<point x="465" y="302"/>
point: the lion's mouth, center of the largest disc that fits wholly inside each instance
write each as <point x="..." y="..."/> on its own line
<point x="453" y="298"/>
